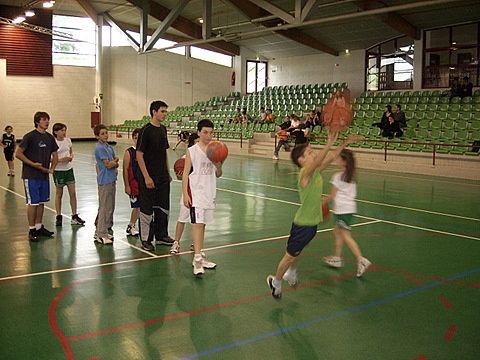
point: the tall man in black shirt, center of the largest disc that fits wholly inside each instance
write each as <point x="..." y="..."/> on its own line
<point x="38" y="153"/>
<point x="154" y="179"/>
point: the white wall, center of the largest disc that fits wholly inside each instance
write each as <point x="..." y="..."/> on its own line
<point x="320" y="68"/>
<point x="66" y="97"/>
<point x="134" y="81"/>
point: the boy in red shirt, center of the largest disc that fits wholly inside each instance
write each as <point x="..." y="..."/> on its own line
<point x="282" y="140"/>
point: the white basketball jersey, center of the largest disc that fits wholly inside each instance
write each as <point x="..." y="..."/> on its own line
<point x="202" y="180"/>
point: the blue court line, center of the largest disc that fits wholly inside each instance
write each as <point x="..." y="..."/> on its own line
<point x="326" y="317"/>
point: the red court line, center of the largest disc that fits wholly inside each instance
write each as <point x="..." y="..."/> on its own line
<point x="421" y="357"/>
<point x="447" y="305"/>
<point x="197" y="311"/>
<point x="416" y="281"/>
<point x="452" y="329"/>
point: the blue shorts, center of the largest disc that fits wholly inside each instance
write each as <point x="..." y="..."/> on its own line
<point x="134" y="203"/>
<point x="36" y="191"/>
<point x="300" y="236"/>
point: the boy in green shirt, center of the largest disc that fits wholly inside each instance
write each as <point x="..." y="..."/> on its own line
<point x="309" y="215"/>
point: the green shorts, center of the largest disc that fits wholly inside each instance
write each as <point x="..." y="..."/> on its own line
<point x="344" y="221"/>
<point x="62" y="178"/>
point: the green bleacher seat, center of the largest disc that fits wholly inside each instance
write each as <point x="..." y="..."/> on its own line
<point x="455" y="100"/>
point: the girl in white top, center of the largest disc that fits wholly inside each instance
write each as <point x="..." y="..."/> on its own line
<point x="343" y="193"/>
<point x="63" y="175"/>
<point x="199" y="191"/>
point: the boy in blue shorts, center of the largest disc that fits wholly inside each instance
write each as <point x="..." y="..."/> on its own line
<point x="38" y="153"/>
<point x="309" y="215"/>
<point x="107" y="164"/>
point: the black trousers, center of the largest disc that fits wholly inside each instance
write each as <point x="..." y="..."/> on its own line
<point x="154" y="210"/>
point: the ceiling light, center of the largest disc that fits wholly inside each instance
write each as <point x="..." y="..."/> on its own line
<point x="454" y="43"/>
<point x="347" y="51"/>
<point x="200" y="20"/>
<point x="19" y="19"/>
<point x="48" y="4"/>
<point x="29" y="13"/>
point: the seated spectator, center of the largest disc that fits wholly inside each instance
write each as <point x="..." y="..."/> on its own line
<point x="182" y="138"/>
<point x="245" y="118"/>
<point x="466" y="87"/>
<point x="282" y="135"/>
<point x="300" y="134"/>
<point x="270" y="118"/>
<point x="392" y="129"/>
<point x="456" y="89"/>
<point x="294" y="122"/>
<point x="262" y="117"/>
<point x="399" y="116"/>
<point x="384" y="121"/>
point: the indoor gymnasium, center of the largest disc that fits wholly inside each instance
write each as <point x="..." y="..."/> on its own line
<point x="240" y="179"/>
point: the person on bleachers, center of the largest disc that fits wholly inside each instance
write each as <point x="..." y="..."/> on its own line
<point x="392" y="129"/>
<point x="466" y="87"/>
<point x="182" y="137"/>
<point x="300" y="134"/>
<point x="399" y="116"/>
<point x="384" y="121"/>
<point x="282" y="135"/>
<point x="456" y="89"/>
<point x="262" y="117"/>
<point x="270" y="118"/>
<point x="294" y="122"/>
<point x="244" y="118"/>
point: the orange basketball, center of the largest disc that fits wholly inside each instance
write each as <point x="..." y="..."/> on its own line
<point x="325" y="211"/>
<point x="217" y="151"/>
<point x="178" y="168"/>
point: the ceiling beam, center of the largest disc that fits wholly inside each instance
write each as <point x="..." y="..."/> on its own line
<point x="207" y="19"/>
<point x="306" y="9"/>
<point x="188" y="27"/>
<point x="392" y="19"/>
<point x="275" y="10"/>
<point x="88" y="8"/>
<point x="166" y="23"/>
<point x="253" y="11"/>
<point x="113" y="23"/>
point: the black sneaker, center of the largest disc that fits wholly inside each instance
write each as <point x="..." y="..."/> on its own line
<point x="167" y="240"/>
<point x="32" y="235"/>
<point x="147" y="245"/>
<point x="76" y="220"/>
<point x="58" y="221"/>
<point x="44" y="232"/>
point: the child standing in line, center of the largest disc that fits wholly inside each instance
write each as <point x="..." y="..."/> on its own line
<point x="8" y="144"/>
<point x="130" y="169"/>
<point x="282" y="140"/>
<point x="309" y="215"/>
<point x="107" y="164"/>
<point x="175" y="249"/>
<point x="63" y="175"/>
<point x="343" y="193"/>
<point x="199" y="193"/>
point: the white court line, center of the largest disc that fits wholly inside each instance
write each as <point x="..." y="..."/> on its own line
<point x="359" y="200"/>
<point x="359" y="216"/>
<point x="69" y="217"/>
<point x="114" y="263"/>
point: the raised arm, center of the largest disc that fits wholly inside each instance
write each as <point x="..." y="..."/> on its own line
<point x="348" y="140"/>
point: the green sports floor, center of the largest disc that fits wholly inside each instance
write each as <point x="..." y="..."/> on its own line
<point x="68" y="298"/>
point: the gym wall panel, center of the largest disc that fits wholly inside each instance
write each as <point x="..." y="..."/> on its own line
<point x="28" y="53"/>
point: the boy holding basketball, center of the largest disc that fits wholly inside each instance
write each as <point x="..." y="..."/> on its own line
<point x="199" y="188"/>
<point x="309" y="215"/>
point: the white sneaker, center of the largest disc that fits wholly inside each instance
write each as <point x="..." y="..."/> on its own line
<point x="276" y="292"/>
<point x="291" y="277"/>
<point x="175" y="249"/>
<point x="334" y="261"/>
<point x="110" y="237"/>
<point x="104" y="240"/>
<point x="362" y="266"/>
<point x="197" y="267"/>
<point x="275" y="157"/>
<point x="132" y="230"/>
<point x="207" y="264"/>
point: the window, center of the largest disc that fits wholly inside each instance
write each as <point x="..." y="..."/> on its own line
<point x="390" y="65"/>
<point x="211" y="56"/>
<point x="78" y="50"/>
<point x="256" y="76"/>
<point x="449" y="53"/>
